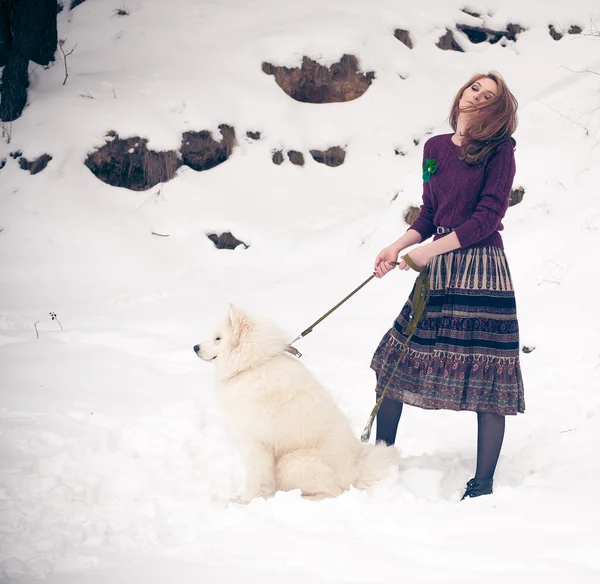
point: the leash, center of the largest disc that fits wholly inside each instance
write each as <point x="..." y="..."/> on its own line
<point x="294" y="351"/>
<point x="417" y="313"/>
<point x="314" y="324"/>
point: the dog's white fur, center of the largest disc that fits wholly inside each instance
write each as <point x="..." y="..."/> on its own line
<point x="291" y="433"/>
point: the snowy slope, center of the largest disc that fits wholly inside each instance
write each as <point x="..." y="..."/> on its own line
<point x="115" y="465"/>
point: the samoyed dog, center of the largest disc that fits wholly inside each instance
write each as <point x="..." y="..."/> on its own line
<point x="289" y="430"/>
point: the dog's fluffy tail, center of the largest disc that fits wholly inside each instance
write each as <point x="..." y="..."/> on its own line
<point x="375" y="462"/>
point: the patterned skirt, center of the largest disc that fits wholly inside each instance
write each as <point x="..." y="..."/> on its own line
<point x="464" y="354"/>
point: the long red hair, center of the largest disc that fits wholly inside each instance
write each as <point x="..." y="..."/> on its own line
<point x="495" y="121"/>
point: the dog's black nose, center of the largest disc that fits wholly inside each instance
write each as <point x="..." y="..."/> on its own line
<point x="196" y="348"/>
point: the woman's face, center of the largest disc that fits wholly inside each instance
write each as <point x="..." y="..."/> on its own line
<point x="478" y="92"/>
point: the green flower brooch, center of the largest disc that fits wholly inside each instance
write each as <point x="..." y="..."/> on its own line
<point x="429" y="168"/>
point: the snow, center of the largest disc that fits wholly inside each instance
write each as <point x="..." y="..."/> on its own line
<point x="115" y="465"/>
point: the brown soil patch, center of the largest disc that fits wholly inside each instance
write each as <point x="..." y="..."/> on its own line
<point x="516" y="196"/>
<point x="404" y="37"/>
<point x="225" y="240"/>
<point x="128" y="163"/>
<point x="314" y="83"/>
<point x="200" y="151"/>
<point x="556" y="35"/>
<point x="411" y="214"/>
<point x="448" y="43"/>
<point x="36" y="165"/>
<point x="333" y="156"/>
<point x="296" y="157"/>
<point x="512" y="31"/>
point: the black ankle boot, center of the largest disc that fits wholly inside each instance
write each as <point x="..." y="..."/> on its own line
<point x="478" y="487"/>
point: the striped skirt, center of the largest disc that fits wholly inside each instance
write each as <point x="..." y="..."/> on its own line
<point x="464" y="354"/>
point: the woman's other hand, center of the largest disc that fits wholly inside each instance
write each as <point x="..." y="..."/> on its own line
<point x="420" y="256"/>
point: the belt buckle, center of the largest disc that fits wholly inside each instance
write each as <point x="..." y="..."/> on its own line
<point x="441" y="230"/>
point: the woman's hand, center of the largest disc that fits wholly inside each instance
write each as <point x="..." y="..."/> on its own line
<point x="383" y="259"/>
<point x="420" y="256"/>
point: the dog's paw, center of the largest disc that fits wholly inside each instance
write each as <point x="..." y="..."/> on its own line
<point x="316" y="497"/>
<point x="249" y="496"/>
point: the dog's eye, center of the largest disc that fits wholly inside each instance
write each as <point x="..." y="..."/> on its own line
<point x="218" y="339"/>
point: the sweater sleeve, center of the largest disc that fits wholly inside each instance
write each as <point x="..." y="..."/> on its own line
<point x="423" y="224"/>
<point x="493" y="201"/>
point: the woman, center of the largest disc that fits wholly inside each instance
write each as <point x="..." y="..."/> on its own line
<point x="464" y="354"/>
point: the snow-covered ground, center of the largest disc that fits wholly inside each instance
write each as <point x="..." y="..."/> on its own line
<point x="114" y="462"/>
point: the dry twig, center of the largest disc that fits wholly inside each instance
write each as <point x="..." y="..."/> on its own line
<point x="65" y="55"/>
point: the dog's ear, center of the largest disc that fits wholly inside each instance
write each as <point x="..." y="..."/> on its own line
<point x="234" y="315"/>
<point x="239" y="324"/>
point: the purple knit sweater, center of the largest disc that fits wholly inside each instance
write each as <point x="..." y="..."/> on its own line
<point x="470" y="199"/>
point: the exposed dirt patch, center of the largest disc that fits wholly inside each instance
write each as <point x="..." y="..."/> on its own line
<point x="554" y="33"/>
<point x="253" y="135"/>
<point x="411" y="214"/>
<point x="448" y="43"/>
<point x="277" y="157"/>
<point x="478" y="34"/>
<point x="36" y="165"/>
<point x="200" y="151"/>
<point x="404" y="37"/>
<point x="513" y="31"/>
<point x="128" y="163"/>
<point x="296" y="157"/>
<point x="481" y="34"/>
<point x="314" y="83"/>
<point x="225" y="240"/>
<point x="516" y="196"/>
<point x="333" y="156"/>
<point x="557" y="35"/>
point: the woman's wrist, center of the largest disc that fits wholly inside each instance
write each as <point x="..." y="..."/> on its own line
<point x="411" y="237"/>
<point x="439" y="246"/>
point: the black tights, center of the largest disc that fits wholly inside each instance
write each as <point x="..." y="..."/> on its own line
<point x="388" y="417"/>
<point x="490" y="433"/>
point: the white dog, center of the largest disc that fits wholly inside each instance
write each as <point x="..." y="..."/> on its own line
<point x="291" y="433"/>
